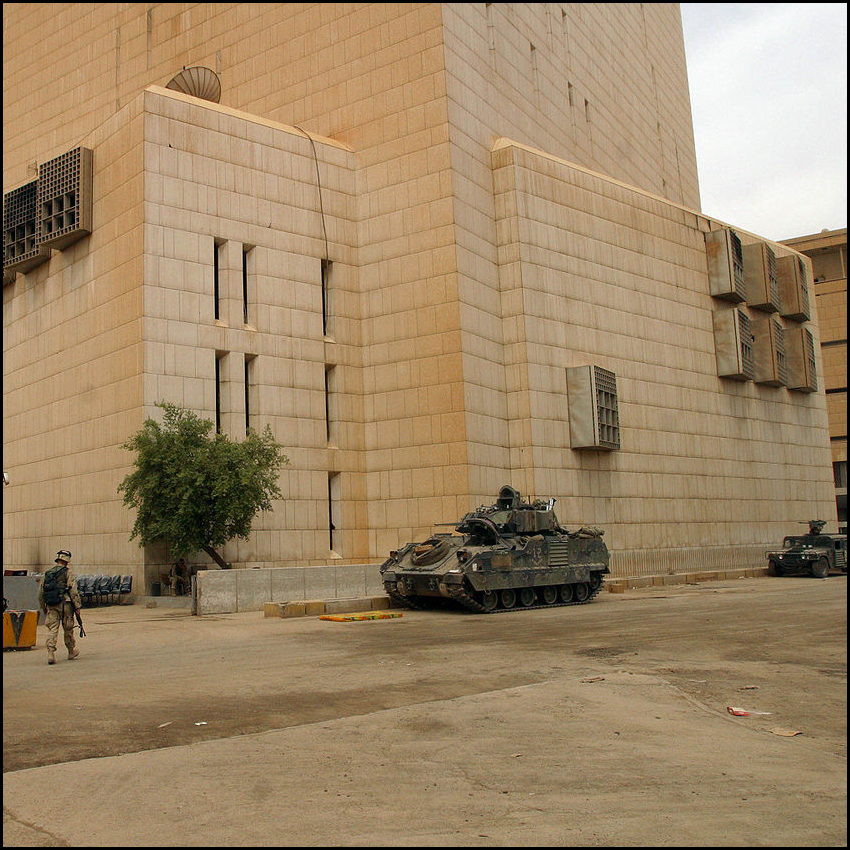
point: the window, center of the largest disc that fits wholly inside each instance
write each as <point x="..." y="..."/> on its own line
<point x="327" y="265"/>
<point x="333" y="504"/>
<point x="249" y="369"/>
<point x="245" y="252"/>
<point x="218" y="357"/>
<point x="217" y="245"/>
<point x="839" y="471"/>
<point x="331" y="424"/>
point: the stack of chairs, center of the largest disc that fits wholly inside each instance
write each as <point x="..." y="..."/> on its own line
<point x="103" y="589"/>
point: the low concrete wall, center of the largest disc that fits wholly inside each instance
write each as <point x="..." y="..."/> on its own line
<point x="21" y="592"/>
<point x="234" y="591"/>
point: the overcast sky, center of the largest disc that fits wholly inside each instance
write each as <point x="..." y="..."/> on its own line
<point x="768" y="86"/>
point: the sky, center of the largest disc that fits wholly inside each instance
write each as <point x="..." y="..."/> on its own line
<point x="768" y="84"/>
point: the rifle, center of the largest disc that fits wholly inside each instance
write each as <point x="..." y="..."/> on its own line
<point x="77" y="616"/>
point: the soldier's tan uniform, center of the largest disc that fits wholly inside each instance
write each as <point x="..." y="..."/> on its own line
<point x="64" y="614"/>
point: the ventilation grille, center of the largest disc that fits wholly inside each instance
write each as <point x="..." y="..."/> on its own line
<point x="725" y="258"/>
<point x="762" y="285"/>
<point x="22" y="250"/>
<point x="745" y="341"/>
<point x="606" y="408"/>
<point x="800" y="347"/>
<point x="64" y="198"/>
<point x="793" y="288"/>
<point x="771" y="365"/>
<point x="559" y="555"/>
<point x="779" y="352"/>
<point x="594" y="413"/>
<point x="733" y="344"/>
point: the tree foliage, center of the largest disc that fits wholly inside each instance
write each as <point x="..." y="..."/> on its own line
<point x="193" y="490"/>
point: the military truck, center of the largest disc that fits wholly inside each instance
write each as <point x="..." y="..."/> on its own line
<point x="511" y="554"/>
<point x="814" y="553"/>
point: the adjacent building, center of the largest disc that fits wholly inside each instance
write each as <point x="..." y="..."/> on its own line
<point x="438" y="248"/>
<point x="828" y="252"/>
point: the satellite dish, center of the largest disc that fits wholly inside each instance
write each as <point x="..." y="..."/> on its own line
<point x="198" y="81"/>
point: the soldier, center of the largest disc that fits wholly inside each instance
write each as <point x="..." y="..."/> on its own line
<point x="58" y="597"/>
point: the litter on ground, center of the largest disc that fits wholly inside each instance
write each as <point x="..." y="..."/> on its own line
<point x="366" y="615"/>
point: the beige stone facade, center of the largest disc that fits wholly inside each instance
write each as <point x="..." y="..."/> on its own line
<point x="390" y="241"/>
<point x="828" y="252"/>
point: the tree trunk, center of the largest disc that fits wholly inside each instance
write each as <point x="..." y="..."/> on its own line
<point x="216" y="557"/>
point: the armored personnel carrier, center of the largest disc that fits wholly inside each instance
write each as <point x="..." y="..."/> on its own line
<point x="512" y="554"/>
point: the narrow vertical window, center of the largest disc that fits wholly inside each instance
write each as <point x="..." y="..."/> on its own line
<point x="571" y="94"/>
<point x="245" y="252"/>
<point x="248" y="361"/>
<point x="217" y="394"/>
<point x="587" y="109"/>
<point x="566" y="31"/>
<point x="330" y="405"/>
<point x="216" y="281"/>
<point x="326" y="296"/>
<point x="333" y="500"/>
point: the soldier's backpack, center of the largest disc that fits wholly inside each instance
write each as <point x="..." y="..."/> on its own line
<point x="54" y="585"/>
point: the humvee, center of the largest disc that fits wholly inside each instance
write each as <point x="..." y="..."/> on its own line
<point x="815" y="553"/>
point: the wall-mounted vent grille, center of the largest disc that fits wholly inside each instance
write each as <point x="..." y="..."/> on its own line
<point x="793" y="288"/>
<point x="762" y="285"/>
<point x="725" y="257"/>
<point x="733" y="344"/>
<point x="22" y="250"/>
<point x="800" y="348"/>
<point x="770" y="364"/>
<point x="65" y="198"/>
<point x="594" y="413"/>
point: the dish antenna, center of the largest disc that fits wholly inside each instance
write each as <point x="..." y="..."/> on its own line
<point x="198" y="81"/>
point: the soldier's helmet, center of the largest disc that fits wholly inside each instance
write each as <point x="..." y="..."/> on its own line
<point x="63" y="556"/>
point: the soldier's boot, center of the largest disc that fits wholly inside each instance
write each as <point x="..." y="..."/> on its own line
<point x="73" y="653"/>
<point x="51" y="656"/>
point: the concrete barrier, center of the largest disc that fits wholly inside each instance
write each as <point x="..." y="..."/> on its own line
<point x="235" y="591"/>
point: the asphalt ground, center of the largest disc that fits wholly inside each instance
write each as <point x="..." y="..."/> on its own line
<point x="601" y="724"/>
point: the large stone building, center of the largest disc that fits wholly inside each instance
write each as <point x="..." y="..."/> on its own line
<point x="436" y="247"/>
<point x="828" y="252"/>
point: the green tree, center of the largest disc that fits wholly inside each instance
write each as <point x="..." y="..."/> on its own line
<point x="195" y="491"/>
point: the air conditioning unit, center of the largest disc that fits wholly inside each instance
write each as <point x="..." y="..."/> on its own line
<point x="22" y="249"/>
<point x="594" y="416"/>
<point x="793" y="288"/>
<point x="65" y="198"/>
<point x="733" y="344"/>
<point x="725" y="265"/>
<point x="761" y="283"/>
<point x="770" y="365"/>
<point x="800" y="350"/>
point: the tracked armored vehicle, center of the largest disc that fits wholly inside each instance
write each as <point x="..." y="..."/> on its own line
<point x="513" y="554"/>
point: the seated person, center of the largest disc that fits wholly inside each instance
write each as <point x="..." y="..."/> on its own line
<point x="178" y="579"/>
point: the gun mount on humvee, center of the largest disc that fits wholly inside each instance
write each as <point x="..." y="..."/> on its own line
<point x="506" y="554"/>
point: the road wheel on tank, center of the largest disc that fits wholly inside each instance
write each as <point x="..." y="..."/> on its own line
<point x="508" y="597"/>
<point x="596" y="580"/>
<point x="549" y="594"/>
<point x="774" y="568"/>
<point x="527" y="596"/>
<point x="582" y="591"/>
<point x="821" y="568"/>
<point x="490" y="600"/>
<point x="565" y="591"/>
